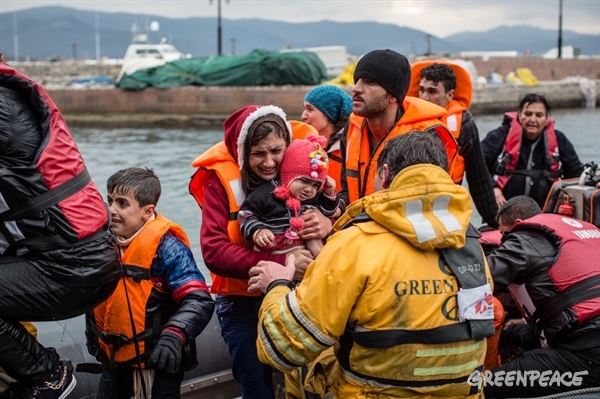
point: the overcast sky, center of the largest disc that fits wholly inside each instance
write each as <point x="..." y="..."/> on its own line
<point x="439" y="17"/>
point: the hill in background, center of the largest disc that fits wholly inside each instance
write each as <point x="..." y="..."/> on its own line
<point x="47" y="32"/>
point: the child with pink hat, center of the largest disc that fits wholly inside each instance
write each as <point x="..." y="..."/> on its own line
<point x="270" y="215"/>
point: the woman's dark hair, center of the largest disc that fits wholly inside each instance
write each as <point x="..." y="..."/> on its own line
<point x="250" y="180"/>
<point x="532" y="98"/>
<point x="340" y="124"/>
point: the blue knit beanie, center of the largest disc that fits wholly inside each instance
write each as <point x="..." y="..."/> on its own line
<point x="334" y="102"/>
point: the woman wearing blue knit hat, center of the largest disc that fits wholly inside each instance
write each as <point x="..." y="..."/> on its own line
<point x="327" y="109"/>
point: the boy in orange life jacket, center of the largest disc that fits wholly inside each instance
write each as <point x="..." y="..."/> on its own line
<point x="270" y="215"/>
<point x="162" y="285"/>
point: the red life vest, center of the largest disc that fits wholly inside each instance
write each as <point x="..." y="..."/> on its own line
<point x="576" y="271"/>
<point x="51" y="203"/>
<point x="512" y="147"/>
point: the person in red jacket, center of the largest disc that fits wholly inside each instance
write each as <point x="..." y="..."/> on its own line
<point x="58" y="257"/>
<point x="255" y="140"/>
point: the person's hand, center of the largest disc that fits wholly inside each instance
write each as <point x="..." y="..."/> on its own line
<point x="500" y="200"/>
<point x="266" y="272"/>
<point x="264" y="238"/>
<point x="598" y="185"/>
<point x="511" y="322"/>
<point x="302" y="258"/>
<point x="329" y="187"/>
<point x="316" y="225"/>
<point x="166" y="355"/>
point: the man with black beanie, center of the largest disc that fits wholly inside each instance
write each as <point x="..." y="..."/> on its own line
<point x="382" y="111"/>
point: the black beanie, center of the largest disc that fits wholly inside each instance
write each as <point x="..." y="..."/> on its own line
<point x="387" y="68"/>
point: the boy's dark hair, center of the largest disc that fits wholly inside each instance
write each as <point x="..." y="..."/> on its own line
<point x="141" y="182"/>
<point x="250" y="181"/>
<point x="519" y="207"/>
<point x="413" y="148"/>
<point x="532" y="98"/>
<point x="440" y="73"/>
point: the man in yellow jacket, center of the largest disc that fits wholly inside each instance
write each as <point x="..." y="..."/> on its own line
<point x="401" y="290"/>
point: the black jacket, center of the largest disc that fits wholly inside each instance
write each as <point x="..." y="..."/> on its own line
<point x="493" y="144"/>
<point x="525" y="257"/>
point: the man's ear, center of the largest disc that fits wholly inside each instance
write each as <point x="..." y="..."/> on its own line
<point x="450" y="95"/>
<point x="385" y="174"/>
<point x="148" y="212"/>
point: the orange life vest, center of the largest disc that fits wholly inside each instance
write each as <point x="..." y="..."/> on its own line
<point x="460" y="102"/>
<point x="218" y="159"/>
<point x="112" y="316"/>
<point x="361" y="164"/>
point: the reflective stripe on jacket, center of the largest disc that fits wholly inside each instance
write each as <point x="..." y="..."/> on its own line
<point x="353" y="282"/>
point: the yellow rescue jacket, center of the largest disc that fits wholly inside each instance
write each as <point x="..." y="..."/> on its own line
<point x="461" y="101"/>
<point x="112" y="317"/>
<point x="218" y="159"/>
<point x="354" y="285"/>
<point x="361" y="164"/>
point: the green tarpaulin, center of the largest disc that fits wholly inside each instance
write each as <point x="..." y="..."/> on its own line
<point x="258" y="68"/>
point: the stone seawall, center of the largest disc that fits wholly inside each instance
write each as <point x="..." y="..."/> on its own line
<point x="197" y="106"/>
<point x="202" y="106"/>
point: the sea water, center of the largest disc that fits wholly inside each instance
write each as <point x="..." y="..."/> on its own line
<point x="170" y="153"/>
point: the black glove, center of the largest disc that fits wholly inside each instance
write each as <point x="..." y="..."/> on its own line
<point x="166" y="356"/>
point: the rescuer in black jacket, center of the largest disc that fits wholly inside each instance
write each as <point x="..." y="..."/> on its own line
<point x="58" y="258"/>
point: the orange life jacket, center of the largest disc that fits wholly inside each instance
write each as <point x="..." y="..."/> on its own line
<point x="361" y="164"/>
<point x="218" y="159"/>
<point x="335" y="165"/>
<point x="460" y="102"/>
<point x="112" y="316"/>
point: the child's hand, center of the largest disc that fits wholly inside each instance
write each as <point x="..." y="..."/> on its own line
<point x="329" y="187"/>
<point x="264" y="238"/>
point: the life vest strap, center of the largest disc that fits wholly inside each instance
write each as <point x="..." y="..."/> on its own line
<point x="136" y="273"/>
<point x="573" y="295"/>
<point x="438" y="335"/>
<point x="47" y="199"/>
<point x="535" y="173"/>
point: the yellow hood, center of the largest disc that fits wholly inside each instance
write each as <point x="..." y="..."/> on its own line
<point x="422" y="205"/>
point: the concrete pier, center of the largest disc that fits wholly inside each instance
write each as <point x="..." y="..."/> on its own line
<point x="205" y="106"/>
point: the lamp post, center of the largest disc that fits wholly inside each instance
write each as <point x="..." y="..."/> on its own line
<point x="219" y="30"/>
<point x="559" y="29"/>
<point x="15" y="37"/>
<point x="97" y="38"/>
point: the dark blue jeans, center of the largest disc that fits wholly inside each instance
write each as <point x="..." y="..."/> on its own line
<point x="238" y="316"/>
<point x="119" y="385"/>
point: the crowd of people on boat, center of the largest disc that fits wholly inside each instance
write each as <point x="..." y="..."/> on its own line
<point x="341" y="249"/>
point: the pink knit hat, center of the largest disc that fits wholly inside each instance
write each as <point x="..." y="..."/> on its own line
<point x="303" y="159"/>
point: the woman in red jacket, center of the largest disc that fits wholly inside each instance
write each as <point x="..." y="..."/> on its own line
<point x="255" y="140"/>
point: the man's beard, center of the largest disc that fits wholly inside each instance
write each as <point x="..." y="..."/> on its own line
<point x="374" y="108"/>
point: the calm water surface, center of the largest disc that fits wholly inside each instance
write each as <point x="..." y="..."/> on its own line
<point x="170" y="153"/>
